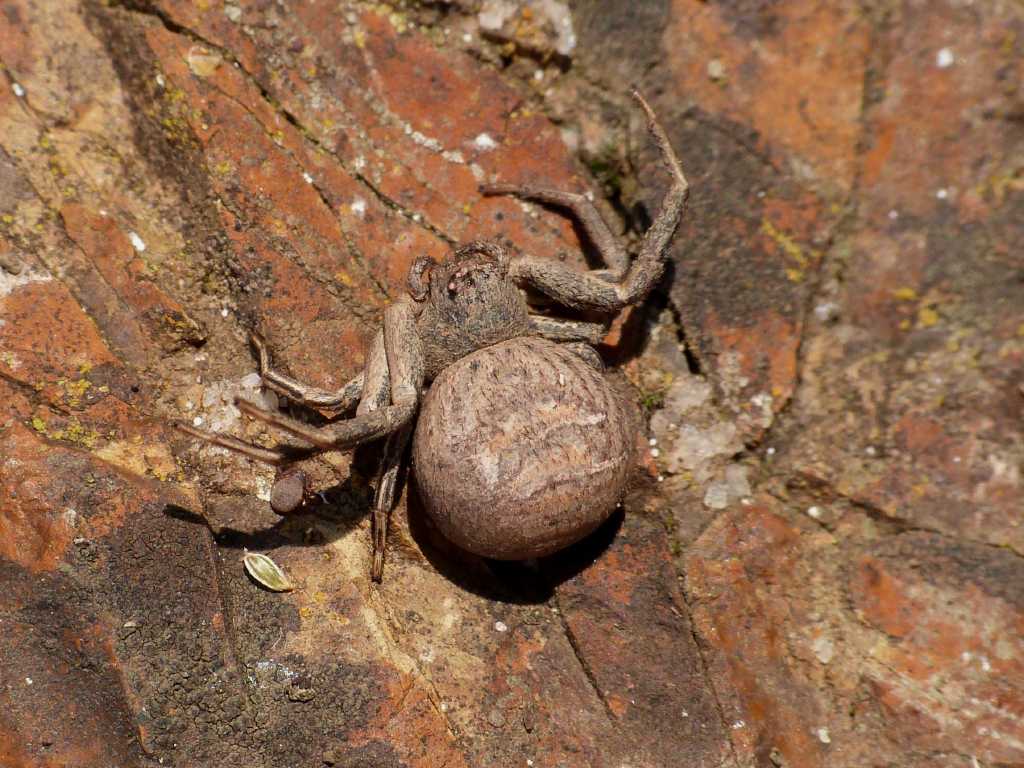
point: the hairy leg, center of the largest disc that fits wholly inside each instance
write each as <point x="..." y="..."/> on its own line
<point x="583" y="208"/>
<point x="384" y="502"/>
<point x="405" y="363"/>
<point x="377" y="394"/>
<point x="341" y="400"/>
<point x="266" y="455"/>
<point x="376" y="378"/>
<point x="586" y="352"/>
<point x="557" y="329"/>
<point x="591" y="290"/>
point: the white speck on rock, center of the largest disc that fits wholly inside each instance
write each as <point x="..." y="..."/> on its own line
<point x="716" y="69"/>
<point x="717" y="495"/>
<point x="736" y="481"/>
<point x="201" y="62"/>
<point x="944" y="58"/>
<point x="814" y="512"/>
<point x="494" y="13"/>
<point x="197" y="421"/>
<point x="359" y="207"/>
<point x="18" y="90"/>
<point x="224" y="312"/>
<point x="501" y="626"/>
<point x="827" y="311"/>
<point x="233" y="12"/>
<point x="28" y="681"/>
<point x="942" y="194"/>
<point x="425" y="141"/>
<point x="655" y="453"/>
<point x="306" y="177"/>
<point x="9" y="282"/>
<point x="823" y="649"/>
<point x="137" y="242"/>
<point x="738" y="724"/>
<point x="823" y="736"/>
<point x="264" y="485"/>
<point x="894" y="214"/>
<point x="484" y="142"/>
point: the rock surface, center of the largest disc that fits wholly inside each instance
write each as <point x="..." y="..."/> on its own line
<point x="830" y="572"/>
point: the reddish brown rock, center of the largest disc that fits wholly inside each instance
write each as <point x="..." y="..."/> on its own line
<point x="948" y="661"/>
<point x="847" y="278"/>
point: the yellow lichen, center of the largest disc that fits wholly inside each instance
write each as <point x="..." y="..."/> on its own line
<point x="904" y="294"/>
<point x="786" y="243"/>
<point x="76" y="433"/>
<point x="927" y="317"/>
<point x="75" y="390"/>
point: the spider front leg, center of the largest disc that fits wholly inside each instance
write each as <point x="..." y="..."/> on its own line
<point x="266" y="455"/>
<point x="405" y="371"/>
<point x="591" y="290"/>
<point x="372" y="384"/>
<point x="340" y="400"/>
<point x="583" y="208"/>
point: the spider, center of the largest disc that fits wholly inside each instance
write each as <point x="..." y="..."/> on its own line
<point x="521" y="445"/>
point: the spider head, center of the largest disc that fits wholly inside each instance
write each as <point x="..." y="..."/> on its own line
<point x="472" y="274"/>
<point x="470" y="288"/>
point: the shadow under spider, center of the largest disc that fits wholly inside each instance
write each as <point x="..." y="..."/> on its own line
<point x="343" y="507"/>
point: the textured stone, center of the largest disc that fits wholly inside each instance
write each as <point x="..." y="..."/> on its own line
<point x="841" y="342"/>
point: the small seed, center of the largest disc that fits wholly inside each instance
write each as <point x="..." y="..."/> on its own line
<point x="266" y="572"/>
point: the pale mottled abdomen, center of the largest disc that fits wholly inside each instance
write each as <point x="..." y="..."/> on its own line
<point x="522" y="448"/>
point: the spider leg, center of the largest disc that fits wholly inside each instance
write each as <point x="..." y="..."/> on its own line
<point x="590" y="290"/>
<point x="375" y="417"/>
<point x="586" y="352"/>
<point x="384" y="503"/>
<point x="376" y="390"/>
<point x="341" y="400"/>
<point x="338" y="435"/>
<point x="266" y="455"/>
<point x="583" y="208"/>
<point x="377" y="394"/>
<point x="557" y="329"/>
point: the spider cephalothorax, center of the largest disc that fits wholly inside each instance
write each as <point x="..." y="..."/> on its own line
<point x="471" y="303"/>
<point x="521" y="445"/>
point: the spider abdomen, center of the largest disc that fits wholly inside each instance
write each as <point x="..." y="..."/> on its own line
<point x="521" y="449"/>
